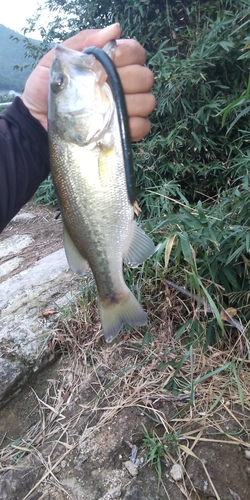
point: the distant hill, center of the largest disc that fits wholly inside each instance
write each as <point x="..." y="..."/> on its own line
<point x="11" y="54"/>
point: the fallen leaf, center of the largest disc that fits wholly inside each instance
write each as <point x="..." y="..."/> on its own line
<point x="230" y="311"/>
<point x="48" y="313"/>
<point x="137" y="209"/>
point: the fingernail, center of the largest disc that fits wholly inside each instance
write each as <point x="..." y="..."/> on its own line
<point x="110" y="27"/>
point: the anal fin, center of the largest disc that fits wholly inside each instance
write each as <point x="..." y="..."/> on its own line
<point x="76" y="262"/>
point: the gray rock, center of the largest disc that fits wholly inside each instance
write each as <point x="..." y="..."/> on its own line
<point x="10" y="376"/>
<point x="23" y="329"/>
<point x="10" y="481"/>
<point x="33" y="286"/>
<point x="23" y="216"/>
<point x="131" y="468"/>
<point x="176" y="472"/>
<point x="10" y="265"/>
<point x="14" y="244"/>
<point x="17" y="482"/>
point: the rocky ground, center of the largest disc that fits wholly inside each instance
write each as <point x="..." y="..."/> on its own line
<point x="80" y="419"/>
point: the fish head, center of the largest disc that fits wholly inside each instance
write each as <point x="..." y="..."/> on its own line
<point x="81" y="103"/>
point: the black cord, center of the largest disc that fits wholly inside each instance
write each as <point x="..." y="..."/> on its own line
<point x="122" y="114"/>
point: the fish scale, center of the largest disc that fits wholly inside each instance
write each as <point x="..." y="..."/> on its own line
<point x="88" y="172"/>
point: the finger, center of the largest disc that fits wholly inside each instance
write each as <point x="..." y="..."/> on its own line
<point x="139" y="128"/>
<point x="136" y="78"/>
<point x="95" y="37"/>
<point x="84" y="39"/>
<point x="129" y="52"/>
<point x="140" y="104"/>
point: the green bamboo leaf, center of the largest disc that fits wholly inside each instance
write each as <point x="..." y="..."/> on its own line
<point x="231" y="277"/>
<point x="241" y="395"/>
<point x="192" y="220"/>
<point x="242" y="113"/>
<point x="237" y="102"/>
<point x="213" y="306"/>
<point x="236" y="253"/>
<point x="226" y="45"/>
<point x="185" y="247"/>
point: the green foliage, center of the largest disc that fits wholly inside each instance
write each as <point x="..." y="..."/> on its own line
<point x="158" y="447"/>
<point x="46" y="193"/>
<point x="198" y="73"/>
<point x="5" y="100"/>
<point x="211" y="244"/>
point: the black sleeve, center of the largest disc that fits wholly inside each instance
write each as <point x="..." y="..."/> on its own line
<point x="24" y="158"/>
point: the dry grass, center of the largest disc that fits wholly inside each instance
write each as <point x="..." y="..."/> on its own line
<point x="208" y="393"/>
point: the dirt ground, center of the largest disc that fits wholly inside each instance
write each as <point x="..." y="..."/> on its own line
<point x="86" y="426"/>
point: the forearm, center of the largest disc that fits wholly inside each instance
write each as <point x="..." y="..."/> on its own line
<point x="24" y="159"/>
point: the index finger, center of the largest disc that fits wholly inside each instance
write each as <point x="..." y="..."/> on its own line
<point x="86" y="38"/>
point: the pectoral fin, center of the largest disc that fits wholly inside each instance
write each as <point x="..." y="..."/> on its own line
<point x="140" y="249"/>
<point x="76" y="262"/>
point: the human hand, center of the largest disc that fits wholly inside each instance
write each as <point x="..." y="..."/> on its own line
<point x="136" y="79"/>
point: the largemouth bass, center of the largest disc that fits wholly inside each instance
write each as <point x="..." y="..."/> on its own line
<point x="87" y="167"/>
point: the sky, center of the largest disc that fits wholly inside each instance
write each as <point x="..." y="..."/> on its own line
<point x="13" y="14"/>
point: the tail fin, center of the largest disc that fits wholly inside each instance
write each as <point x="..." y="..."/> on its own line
<point x="127" y="311"/>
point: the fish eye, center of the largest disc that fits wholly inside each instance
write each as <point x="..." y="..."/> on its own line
<point x="58" y="82"/>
